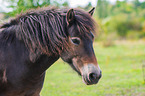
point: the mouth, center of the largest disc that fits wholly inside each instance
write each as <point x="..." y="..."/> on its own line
<point x="88" y="82"/>
<point x="91" y="74"/>
<point x="91" y="79"/>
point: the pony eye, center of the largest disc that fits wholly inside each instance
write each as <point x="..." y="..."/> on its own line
<point x="75" y="40"/>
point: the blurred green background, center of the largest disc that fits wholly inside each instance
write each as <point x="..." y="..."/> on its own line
<point x="119" y="47"/>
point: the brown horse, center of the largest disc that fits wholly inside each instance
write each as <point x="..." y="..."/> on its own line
<point x="32" y="42"/>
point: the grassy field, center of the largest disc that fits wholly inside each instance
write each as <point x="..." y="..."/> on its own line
<point x="121" y="66"/>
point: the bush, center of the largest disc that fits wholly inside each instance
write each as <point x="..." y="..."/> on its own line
<point x="122" y="24"/>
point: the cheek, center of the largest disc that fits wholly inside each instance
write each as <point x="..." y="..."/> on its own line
<point x="77" y="49"/>
<point x="67" y="54"/>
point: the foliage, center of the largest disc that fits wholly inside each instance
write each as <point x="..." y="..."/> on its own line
<point x="122" y="17"/>
<point x="23" y="5"/>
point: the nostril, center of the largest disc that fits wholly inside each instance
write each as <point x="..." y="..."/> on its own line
<point x="92" y="76"/>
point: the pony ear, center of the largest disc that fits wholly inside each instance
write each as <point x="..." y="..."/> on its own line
<point x="70" y="16"/>
<point x="92" y="11"/>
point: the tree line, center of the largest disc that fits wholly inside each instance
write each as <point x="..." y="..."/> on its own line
<point x="125" y="19"/>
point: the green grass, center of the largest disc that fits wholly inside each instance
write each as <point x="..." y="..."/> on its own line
<point x="121" y="66"/>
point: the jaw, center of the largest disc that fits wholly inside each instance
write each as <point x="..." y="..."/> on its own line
<point x="74" y="67"/>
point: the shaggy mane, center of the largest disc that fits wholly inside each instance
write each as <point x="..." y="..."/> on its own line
<point x="46" y="29"/>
